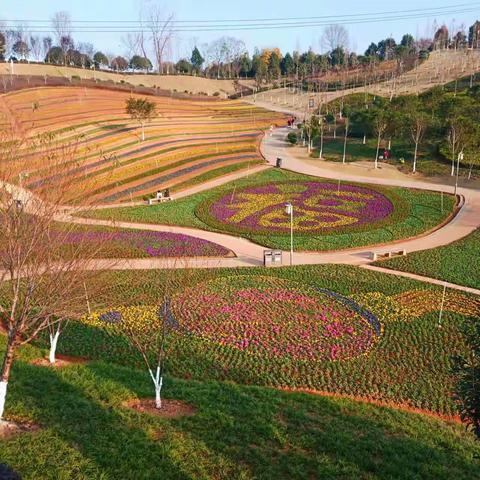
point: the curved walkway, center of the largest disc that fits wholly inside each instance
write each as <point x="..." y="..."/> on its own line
<point x="250" y="254"/>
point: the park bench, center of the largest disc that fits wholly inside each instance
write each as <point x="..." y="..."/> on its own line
<point x="384" y="256"/>
<point x="160" y="197"/>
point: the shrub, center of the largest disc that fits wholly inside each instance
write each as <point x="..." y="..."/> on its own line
<point x="292" y="138"/>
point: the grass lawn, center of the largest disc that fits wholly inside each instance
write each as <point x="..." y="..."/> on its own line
<point x="429" y="163"/>
<point x="410" y="362"/>
<point x="237" y="432"/>
<point x="455" y="263"/>
<point x="420" y="211"/>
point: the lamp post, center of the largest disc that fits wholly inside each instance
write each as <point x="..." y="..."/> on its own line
<point x="289" y="211"/>
<point x="459" y="159"/>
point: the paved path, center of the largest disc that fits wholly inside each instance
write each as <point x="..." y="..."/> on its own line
<point x="467" y="220"/>
<point x="192" y="190"/>
<point x="250" y="254"/>
<point x="421" y="278"/>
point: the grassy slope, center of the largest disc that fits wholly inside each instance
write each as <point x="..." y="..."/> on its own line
<point x="425" y="215"/>
<point x="238" y="432"/>
<point x="390" y="371"/>
<point x="454" y="263"/>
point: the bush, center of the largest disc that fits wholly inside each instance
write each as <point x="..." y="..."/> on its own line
<point x="216" y="94"/>
<point x="76" y="77"/>
<point x="292" y="138"/>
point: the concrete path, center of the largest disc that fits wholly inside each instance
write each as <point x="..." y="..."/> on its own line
<point x="421" y="278"/>
<point x="216" y="182"/>
<point x="467" y="220"/>
<point x="250" y="254"/>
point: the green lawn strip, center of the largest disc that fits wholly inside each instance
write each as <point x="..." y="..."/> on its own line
<point x="237" y="432"/>
<point x="130" y="161"/>
<point x="425" y="213"/>
<point x="409" y="364"/>
<point x="38" y="173"/>
<point x="455" y="263"/>
<point x="170" y="166"/>
<point x="218" y="172"/>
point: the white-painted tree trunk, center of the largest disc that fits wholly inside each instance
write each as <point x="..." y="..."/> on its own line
<point x="378" y="151"/>
<point x="158" y="383"/>
<point x="143" y="132"/>
<point x="364" y="138"/>
<point x="415" y="158"/>
<point x="3" y="396"/>
<point x="53" y="346"/>
<point x="389" y="144"/>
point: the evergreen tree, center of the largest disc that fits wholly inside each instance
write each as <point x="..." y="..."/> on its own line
<point x="197" y="59"/>
<point x="287" y="65"/>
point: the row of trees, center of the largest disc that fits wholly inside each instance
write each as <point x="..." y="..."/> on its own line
<point x="226" y="57"/>
<point x="45" y="279"/>
<point x="450" y="123"/>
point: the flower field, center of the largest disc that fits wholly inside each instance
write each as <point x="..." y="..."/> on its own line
<point x="188" y="138"/>
<point x="326" y="217"/>
<point x="318" y="207"/>
<point x="143" y="244"/>
<point x="330" y="328"/>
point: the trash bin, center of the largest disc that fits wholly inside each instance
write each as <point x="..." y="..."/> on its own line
<point x="279" y="163"/>
<point x="267" y="258"/>
<point x="272" y="257"/>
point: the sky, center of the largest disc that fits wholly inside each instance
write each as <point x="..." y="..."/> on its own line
<point x="290" y="39"/>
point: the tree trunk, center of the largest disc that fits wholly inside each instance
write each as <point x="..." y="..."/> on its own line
<point x="378" y="150"/>
<point x="5" y="375"/>
<point x="320" y="155"/>
<point x="53" y="346"/>
<point x="158" y="383"/>
<point x="415" y="158"/>
<point x="364" y="139"/>
<point x="345" y="146"/>
<point x="158" y="391"/>
<point x="143" y="132"/>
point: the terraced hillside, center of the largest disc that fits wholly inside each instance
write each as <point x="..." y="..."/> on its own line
<point x="442" y="67"/>
<point x="180" y="83"/>
<point x="187" y="142"/>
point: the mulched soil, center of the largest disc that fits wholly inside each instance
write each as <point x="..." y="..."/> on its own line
<point x="61" y="361"/>
<point x="170" y="408"/>
<point x="11" y="429"/>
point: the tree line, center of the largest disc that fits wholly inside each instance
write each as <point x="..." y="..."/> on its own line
<point x="225" y="57"/>
<point x="447" y="121"/>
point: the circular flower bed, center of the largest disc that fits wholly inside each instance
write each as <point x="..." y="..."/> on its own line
<point x="276" y="318"/>
<point x="319" y="207"/>
<point x="150" y="244"/>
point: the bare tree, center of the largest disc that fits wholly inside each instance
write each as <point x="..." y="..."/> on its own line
<point x="36" y="47"/>
<point x="42" y="275"/>
<point x="335" y="36"/>
<point x="61" y="25"/>
<point x="46" y="45"/>
<point x="160" y="25"/>
<point x="132" y="42"/>
<point x="150" y="338"/>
